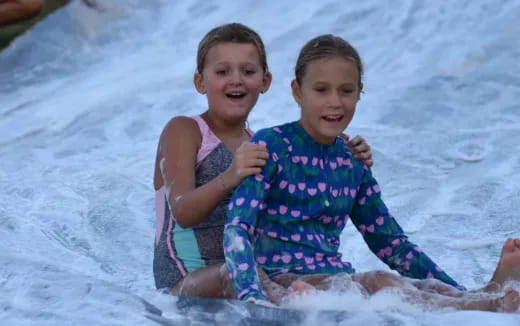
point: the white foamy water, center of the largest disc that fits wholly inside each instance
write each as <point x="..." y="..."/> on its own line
<point x="84" y="97"/>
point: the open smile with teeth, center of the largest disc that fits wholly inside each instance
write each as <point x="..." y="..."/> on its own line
<point x="235" y="95"/>
<point x="332" y="118"/>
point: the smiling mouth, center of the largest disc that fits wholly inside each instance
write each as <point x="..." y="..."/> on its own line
<point x="235" y="95"/>
<point x="332" y="118"/>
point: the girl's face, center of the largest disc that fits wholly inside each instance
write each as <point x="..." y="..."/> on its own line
<point x="232" y="79"/>
<point x="328" y="95"/>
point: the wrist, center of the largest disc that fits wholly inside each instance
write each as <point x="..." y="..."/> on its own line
<point x="230" y="178"/>
<point x="224" y="183"/>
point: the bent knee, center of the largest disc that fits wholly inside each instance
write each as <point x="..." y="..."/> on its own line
<point x="224" y="273"/>
<point x="32" y="7"/>
<point x="387" y="279"/>
<point x="377" y="280"/>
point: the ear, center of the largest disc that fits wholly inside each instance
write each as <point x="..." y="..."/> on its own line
<point x="268" y="78"/>
<point x="360" y="90"/>
<point x="296" y="92"/>
<point x="198" y="82"/>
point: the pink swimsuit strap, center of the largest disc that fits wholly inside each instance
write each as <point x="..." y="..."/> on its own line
<point x="209" y="140"/>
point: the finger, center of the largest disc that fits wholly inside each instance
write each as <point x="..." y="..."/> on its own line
<point x="366" y="157"/>
<point x="259" y="144"/>
<point x="258" y="162"/>
<point x="249" y="145"/>
<point x="363" y="155"/>
<point x="244" y="172"/>
<point x="250" y="163"/>
<point x="260" y="155"/>
<point x="256" y="148"/>
<point x="255" y="153"/>
<point x="356" y="141"/>
<point x="360" y="148"/>
<point x="251" y="151"/>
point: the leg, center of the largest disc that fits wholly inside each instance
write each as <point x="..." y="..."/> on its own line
<point x="214" y="282"/>
<point x="416" y="292"/>
<point x="208" y="282"/>
<point x="510" y="302"/>
<point x="368" y="283"/>
<point x="286" y="280"/>
<point x="436" y="286"/>
<point x="508" y="267"/>
<point x="377" y="280"/>
<point x="275" y="291"/>
<point x="433" y="293"/>
<point x="12" y="11"/>
<point x="302" y="284"/>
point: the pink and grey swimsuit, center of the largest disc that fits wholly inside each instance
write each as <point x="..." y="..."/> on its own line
<point x="179" y="251"/>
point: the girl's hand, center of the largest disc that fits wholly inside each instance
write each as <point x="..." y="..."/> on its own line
<point x="361" y="150"/>
<point x="249" y="158"/>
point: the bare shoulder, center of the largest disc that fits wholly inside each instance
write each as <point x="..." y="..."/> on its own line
<point x="181" y="129"/>
<point x="178" y="143"/>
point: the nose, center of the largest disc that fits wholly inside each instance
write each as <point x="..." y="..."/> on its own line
<point x="334" y="100"/>
<point x="236" y="77"/>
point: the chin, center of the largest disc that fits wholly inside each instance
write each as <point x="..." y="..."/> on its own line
<point x="332" y="132"/>
<point x="238" y="115"/>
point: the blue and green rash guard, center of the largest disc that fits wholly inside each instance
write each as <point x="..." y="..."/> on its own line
<point x="289" y="217"/>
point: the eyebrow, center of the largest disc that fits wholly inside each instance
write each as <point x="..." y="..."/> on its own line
<point x="327" y="83"/>
<point x="241" y="63"/>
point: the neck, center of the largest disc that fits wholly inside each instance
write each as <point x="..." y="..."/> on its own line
<point x="234" y="128"/>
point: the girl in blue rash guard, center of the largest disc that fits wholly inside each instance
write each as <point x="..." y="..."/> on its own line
<point x="288" y="218"/>
<point x="200" y="159"/>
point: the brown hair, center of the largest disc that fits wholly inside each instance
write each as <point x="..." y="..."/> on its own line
<point x="234" y="32"/>
<point x="325" y="46"/>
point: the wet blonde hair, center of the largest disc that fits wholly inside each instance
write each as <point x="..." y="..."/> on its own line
<point x="325" y="46"/>
<point x="235" y="33"/>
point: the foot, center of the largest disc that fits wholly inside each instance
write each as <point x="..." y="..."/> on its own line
<point x="508" y="267"/>
<point x="301" y="286"/>
<point x="275" y="291"/>
<point x="510" y="301"/>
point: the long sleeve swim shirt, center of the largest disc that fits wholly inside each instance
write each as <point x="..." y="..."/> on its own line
<point x="289" y="217"/>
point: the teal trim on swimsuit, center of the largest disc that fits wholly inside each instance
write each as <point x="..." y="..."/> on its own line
<point x="187" y="248"/>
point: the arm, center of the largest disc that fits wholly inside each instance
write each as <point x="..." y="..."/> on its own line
<point x="239" y="233"/>
<point x="386" y="239"/>
<point x="178" y="148"/>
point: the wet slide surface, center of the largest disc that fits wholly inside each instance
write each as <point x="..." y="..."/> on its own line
<point x="84" y="96"/>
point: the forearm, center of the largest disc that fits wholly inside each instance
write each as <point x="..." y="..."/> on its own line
<point x="392" y="247"/>
<point x="386" y="238"/>
<point x="241" y="264"/>
<point x="193" y="207"/>
<point x="410" y="261"/>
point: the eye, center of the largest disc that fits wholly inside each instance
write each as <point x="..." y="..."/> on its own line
<point x="348" y="91"/>
<point x="221" y="72"/>
<point x="248" y="71"/>
<point x="320" y="89"/>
